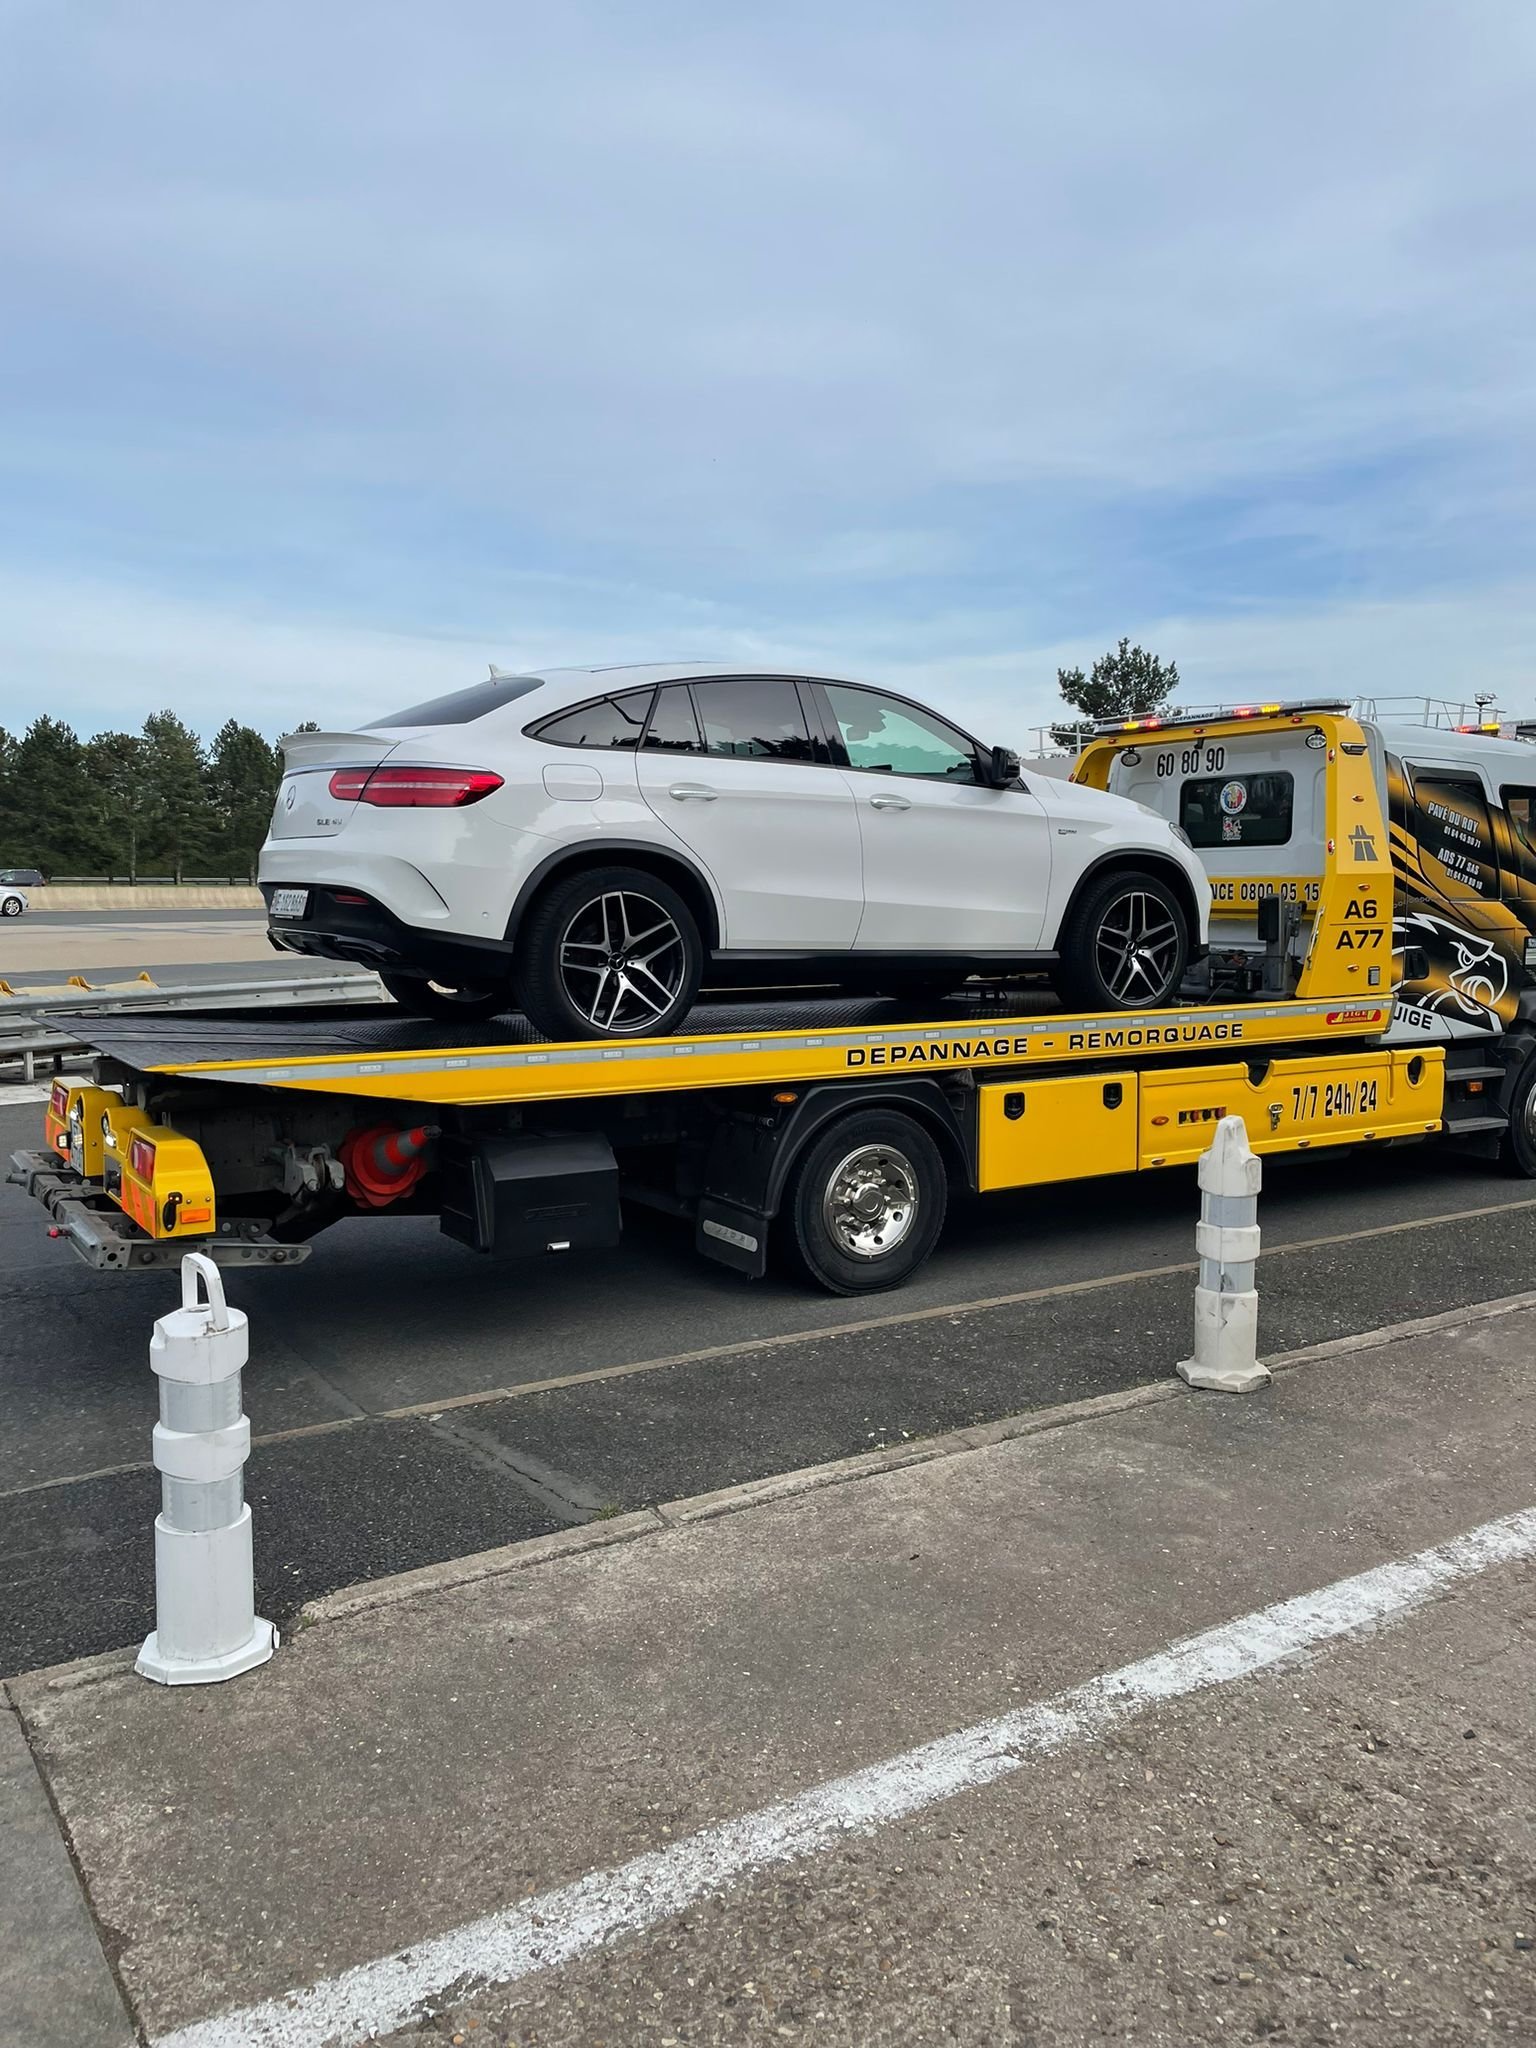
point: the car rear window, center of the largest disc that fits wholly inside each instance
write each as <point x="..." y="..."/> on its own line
<point x="1238" y="810"/>
<point x="605" y="722"/>
<point x="460" y="707"/>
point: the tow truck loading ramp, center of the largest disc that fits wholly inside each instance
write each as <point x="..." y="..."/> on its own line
<point x="838" y="1126"/>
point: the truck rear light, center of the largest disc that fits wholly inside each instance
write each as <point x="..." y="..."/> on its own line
<point x="414" y="789"/>
<point x="141" y="1159"/>
<point x="58" y="1099"/>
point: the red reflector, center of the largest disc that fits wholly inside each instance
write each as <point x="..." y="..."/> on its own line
<point x="435" y="789"/>
<point x="344" y="896"/>
<point x="58" y="1100"/>
<point x="141" y="1159"/>
<point x="347" y="784"/>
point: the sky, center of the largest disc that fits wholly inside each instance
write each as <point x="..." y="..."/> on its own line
<point x="348" y="349"/>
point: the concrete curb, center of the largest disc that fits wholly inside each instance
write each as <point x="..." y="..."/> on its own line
<point x="752" y="1493"/>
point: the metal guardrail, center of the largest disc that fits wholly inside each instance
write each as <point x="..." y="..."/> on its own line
<point x="31" y="1026"/>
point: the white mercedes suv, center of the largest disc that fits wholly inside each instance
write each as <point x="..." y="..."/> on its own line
<point x="595" y="845"/>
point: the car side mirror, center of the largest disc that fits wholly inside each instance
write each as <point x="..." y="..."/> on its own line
<point x="1002" y="765"/>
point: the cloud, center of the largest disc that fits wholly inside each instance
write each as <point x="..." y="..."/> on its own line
<point x="384" y="330"/>
<point x="113" y="653"/>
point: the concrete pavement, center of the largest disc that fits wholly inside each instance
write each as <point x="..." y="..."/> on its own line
<point x="1335" y="1849"/>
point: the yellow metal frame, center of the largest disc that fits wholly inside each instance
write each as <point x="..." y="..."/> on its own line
<point x="1073" y="1127"/>
<point x="545" y="1073"/>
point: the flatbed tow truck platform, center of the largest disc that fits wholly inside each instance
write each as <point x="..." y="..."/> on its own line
<point x="835" y="1128"/>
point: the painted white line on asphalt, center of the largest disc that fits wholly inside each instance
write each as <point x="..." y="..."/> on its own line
<point x="377" y="1997"/>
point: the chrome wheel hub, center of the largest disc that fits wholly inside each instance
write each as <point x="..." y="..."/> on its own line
<point x="871" y="1202"/>
<point x="1137" y="945"/>
<point x="622" y="962"/>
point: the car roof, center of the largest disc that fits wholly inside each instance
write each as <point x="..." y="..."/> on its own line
<point x="571" y="685"/>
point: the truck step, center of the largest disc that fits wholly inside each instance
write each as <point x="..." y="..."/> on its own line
<point x="1473" y="1126"/>
<point x="1458" y="1077"/>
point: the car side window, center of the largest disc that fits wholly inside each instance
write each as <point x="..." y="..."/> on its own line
<point x="673" y="728"/>
<point x="607" y="722"/>
<point x="882" y="734"/>
<point x="753" y="717"/>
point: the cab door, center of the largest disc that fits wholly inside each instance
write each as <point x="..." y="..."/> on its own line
<point x="950" y="865"/>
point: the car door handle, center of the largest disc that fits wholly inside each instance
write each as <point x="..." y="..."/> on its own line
<point x="890" y="803"/>
<point x="693" y="792"/>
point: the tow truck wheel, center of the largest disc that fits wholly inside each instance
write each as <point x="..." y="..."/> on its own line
<point x="425" y="998"/>
<point x="1123" y="945"/>
<point x="865" y="1204"/>
<point x="1517" y="1152"/>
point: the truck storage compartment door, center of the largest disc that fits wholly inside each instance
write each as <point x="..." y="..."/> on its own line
<point x="1066" y="1129"/>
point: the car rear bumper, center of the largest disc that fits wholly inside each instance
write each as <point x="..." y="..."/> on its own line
<point x="345" y="924"/>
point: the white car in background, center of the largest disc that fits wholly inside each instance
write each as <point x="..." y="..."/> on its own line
<point x="13" y="901"/>
<point x="594" y="845"/>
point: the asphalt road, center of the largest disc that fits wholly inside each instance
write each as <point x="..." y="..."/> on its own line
<point x="413" y="1402"/>
<point x="45" y="947"/>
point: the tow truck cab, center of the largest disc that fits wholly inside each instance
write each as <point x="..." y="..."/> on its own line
<point x="1460" y="805"/>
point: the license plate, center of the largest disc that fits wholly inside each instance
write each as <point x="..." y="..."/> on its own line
<point x="289" y="902"/>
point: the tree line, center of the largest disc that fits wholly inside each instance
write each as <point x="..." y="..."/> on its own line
<point x="156" y="803"/>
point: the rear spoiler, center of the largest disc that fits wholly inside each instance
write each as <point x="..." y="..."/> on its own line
<point x="316" y="749"/>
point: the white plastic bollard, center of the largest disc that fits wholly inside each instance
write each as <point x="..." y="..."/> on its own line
<point x="206" y="1626"/>
<point x="1227" y="1239"/>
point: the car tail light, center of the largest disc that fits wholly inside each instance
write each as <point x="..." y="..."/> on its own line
<point x="407" y="789"/>
<point x="141" y="1159"/>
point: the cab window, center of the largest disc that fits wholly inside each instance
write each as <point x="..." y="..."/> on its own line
<point x="1238" y="810"/>
<point x="882" y="735"/>
<point x="756" y="718"/>
<point x="1450" y="821"/>
<point x="1519" y="802"/>
<point x="606" y="722"/>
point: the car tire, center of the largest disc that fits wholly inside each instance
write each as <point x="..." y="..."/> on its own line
<point x="1124" y="944"/>
<point x="864" y="1205"/>
<point x="12" y="906"/>
<point x="425" y="998"/>
<point x="608" y="953"/>
<point x="1517" y="1149"/>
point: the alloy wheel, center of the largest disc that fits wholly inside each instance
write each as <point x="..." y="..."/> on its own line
<point x="1136" y="947"/>
<point x="623" y="962"/>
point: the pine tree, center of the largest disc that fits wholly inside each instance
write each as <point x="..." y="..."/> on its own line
<point x="242" y="779"/>
<point x="46" y="782"/>
<point x="180" y="823"/>
<point x="118" y="802"/>
<point x="1128" y="682"/>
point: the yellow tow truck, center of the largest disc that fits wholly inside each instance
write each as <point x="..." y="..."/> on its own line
<point x="833" y="1130"/>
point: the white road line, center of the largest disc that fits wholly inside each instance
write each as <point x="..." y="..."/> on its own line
<point x="12" y="1094"/>
<point x="377" y="1997"/>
